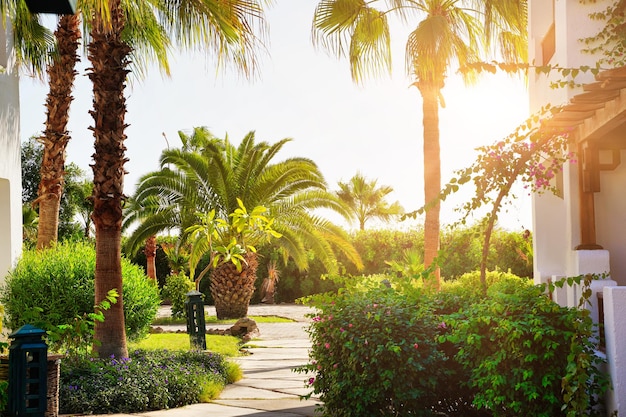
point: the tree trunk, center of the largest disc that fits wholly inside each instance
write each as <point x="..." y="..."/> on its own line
<point x="432" y="176"/>
<point x="150" y="252"/>
<point x="232" y="290"/>
<point x="108" y="55"/>
<point x="61" y="74"/>
<point x="110" y="335"/>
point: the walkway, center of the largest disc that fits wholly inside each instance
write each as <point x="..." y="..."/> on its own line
<point x="269" y="388"/>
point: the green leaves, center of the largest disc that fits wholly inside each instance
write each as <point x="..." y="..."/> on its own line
<point x="228" y="241"/>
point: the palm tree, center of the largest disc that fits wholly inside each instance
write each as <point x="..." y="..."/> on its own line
<point x="366" y="200"/>
<point x="231" y="244"/>
<point x="448" y="31"/>
<point x="61" y="75"/>
<point x="149" y="43"/>
<point x="226" y="26"/>
<point x="208" y="173"/>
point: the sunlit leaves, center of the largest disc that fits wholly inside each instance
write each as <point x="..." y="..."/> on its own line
<point x="229" y="240"/>
<point x="354" y="29"/>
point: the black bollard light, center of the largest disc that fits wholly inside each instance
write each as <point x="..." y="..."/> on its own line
<point x="196" y="328"/>
<point x="28" y="372"/>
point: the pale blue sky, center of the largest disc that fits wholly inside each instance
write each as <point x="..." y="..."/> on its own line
<point x="307" y="95"/>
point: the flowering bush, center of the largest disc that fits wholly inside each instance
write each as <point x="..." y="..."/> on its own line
<point x="401" y="351"/>
<point x="147" y="380"/>
<point x="375" y="353"/>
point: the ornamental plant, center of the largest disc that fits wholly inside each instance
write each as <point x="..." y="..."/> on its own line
<point x="175" y="290"/>
<point x="228" y="241"/>
<point x="147" y="380"/>
<point x="399" y="350"/>
<point x="374" y="353"/>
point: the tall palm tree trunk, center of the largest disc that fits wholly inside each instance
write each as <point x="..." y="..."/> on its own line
<point x="61" y="74"/>
<point x="232" y="290"/>
<point x="150" y="252"/>
<point x="432" y="174"/>
<point x="108" y="55"/>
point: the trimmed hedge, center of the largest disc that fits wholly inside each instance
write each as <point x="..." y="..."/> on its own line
<point x="60" y="281"/>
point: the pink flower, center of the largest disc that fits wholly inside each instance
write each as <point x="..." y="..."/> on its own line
<point x="335" y="366"/>
<point x="341" y="329"/>
<point x="327" y="345"/>
<point x="415" y="345"/>
<point x="350" y="325"/>
<point x="442" y="325"/>
<point x="311" y="381"/>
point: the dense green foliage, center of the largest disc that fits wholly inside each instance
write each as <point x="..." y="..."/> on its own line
<point x="60" y="282"/>
<point x="148" y="380"/>
<point x="359" y="345"/>
<point x="175" y="290"/>
<point x="460" y="250"/>
<point x="74" y="200"/>
<point x="383" y="250"/>
<point x="511" y="353"/>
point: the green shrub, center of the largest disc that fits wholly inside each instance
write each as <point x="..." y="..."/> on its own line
<point x="60" y="282"/>
<point x="4" y="395"/>
<point x="374" y="354"/>
<point x="518" y="347"/>
<point x="175" y="289"/>
<point x="148" y="380"/>
<point x="513" y="352"/>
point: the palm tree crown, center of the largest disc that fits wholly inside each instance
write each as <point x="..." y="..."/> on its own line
<point x="208" y="173"/>
<point x="366" y="200"/>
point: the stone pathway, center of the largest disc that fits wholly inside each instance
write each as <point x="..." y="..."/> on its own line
<point x="269" y="387"/>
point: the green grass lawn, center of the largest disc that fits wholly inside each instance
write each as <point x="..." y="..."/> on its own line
<point x="164" y="321"/>
<point x="224" y="345"/>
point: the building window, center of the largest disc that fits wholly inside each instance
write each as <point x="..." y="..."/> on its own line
<point x="548" y="45"/>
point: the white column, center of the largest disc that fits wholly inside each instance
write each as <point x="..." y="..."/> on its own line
<point x="615" y="334"/>
<point x="10" y="166"/>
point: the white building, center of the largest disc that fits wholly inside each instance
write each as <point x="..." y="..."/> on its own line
<point x="582" y="230"/>
<point x="10" y="168"/>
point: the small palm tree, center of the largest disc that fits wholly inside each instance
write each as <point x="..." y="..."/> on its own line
<point x="231" y="244"/>
<point x="366" y="200"/>
<point x="268" y="288"/>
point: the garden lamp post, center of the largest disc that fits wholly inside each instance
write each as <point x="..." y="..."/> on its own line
<point x="52" y="6"/>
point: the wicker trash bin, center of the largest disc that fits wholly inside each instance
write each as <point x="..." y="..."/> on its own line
<point x="54" y="375"/>
<point x="52" y="382"/>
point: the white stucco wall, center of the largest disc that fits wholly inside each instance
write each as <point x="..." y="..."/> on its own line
<point x="556" y="227"/>
<point x="611" y="218"/>
<point x="572" y="23"/>
<point x="10" y="170"/>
